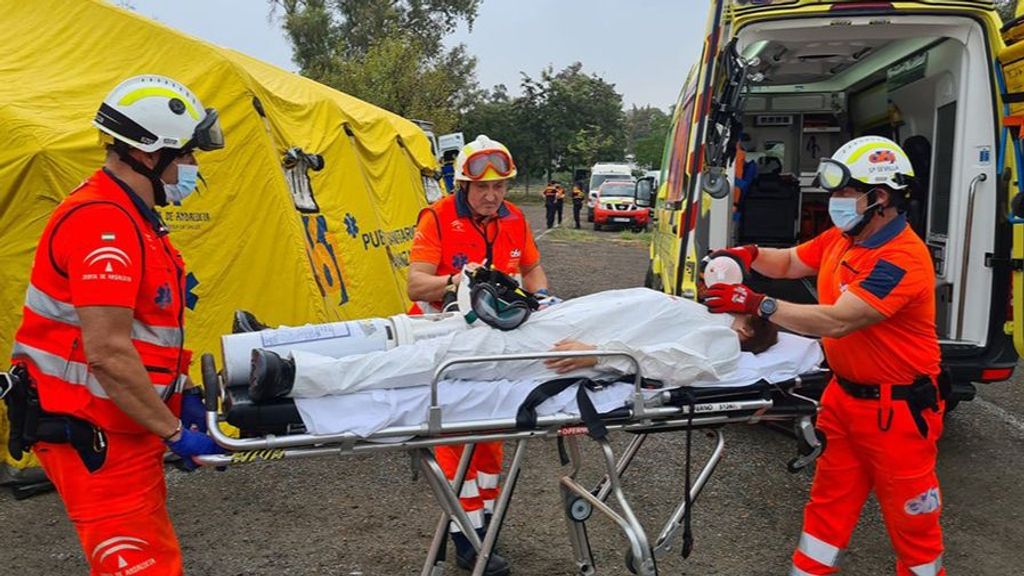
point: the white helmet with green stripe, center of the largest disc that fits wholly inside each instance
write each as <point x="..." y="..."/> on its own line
<point x="867" y="161"/>
<point x="152" y="112"/>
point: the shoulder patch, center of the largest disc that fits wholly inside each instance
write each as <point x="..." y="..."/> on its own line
<point x="883" y="279"/>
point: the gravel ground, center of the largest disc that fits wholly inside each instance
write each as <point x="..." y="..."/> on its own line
<point x="365" y="515"/>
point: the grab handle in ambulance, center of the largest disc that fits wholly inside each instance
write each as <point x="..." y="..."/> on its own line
<point x="967" y="253"/>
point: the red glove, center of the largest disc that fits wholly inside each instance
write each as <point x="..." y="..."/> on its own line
<point x="734" y="298"/>
<point x="745" y="254"/>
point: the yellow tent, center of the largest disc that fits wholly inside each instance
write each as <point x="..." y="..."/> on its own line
<point x="270" y="233"/>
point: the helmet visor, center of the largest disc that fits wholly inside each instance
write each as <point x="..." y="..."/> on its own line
<point x="208" y="134"/>
<point x="832" y="175"/>
<point x="495" y="311"/>
<point x="478" y="162"/>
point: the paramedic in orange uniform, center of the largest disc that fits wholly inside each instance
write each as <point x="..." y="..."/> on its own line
<point x="882" y="412"/>
<point x="102" y="339"/>
<point x="470" y="228"/>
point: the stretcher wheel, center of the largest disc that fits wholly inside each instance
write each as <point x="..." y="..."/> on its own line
<point x="631" y="562"/>
<point x="580" y="510"/>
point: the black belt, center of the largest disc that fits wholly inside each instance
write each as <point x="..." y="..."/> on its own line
<point x="922" y="395"/>
<point x="874" y="392"/>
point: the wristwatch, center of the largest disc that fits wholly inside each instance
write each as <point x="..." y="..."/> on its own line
<point x="767" y="307"/>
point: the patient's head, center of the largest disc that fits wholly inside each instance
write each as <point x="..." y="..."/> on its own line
<point x="756" y="334"/>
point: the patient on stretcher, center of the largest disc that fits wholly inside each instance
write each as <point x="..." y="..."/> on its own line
<point x="677" y="341"/>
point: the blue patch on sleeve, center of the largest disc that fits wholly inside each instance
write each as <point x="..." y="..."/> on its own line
<point x="884" y="277"/>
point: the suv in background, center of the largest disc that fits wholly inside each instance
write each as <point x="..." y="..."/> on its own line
<point x="614" y="206"/>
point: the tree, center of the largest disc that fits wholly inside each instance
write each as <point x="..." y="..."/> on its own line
<point x="646" y="131"/>
<point x="388" y="52"/>
<point x="1007" y="9"/>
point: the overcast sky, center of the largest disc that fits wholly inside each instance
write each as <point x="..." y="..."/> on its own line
<point x="644" y="47"/>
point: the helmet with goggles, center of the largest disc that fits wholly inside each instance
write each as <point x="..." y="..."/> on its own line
<point x="484" y="160"/>
<point x="494" y="298"/>
<point x="154" y="112"/>
<point x="866" y="162"/>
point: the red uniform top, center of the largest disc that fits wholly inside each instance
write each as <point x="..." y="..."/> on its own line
<point x="448" y="237"/>
<point x="102" y="247"/>
<point x="892" y="272"/>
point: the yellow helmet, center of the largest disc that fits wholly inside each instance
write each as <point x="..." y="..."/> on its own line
<point x="484" y="160"/>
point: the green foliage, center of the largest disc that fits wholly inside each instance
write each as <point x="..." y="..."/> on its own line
<point x="387" y="52"/>
<point x="562" y="121"/>
<point x="1006" y="9"/>
<point x="647" y="128"/>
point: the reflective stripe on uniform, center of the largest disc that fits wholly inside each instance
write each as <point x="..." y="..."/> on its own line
<point x="818" y="550"/>
<point x="469" y="490"/>
<point x="930" y="569"/>
<point x="71" y="372"/>
<point x="795" y="571"/>
<point x="476" y="518"/>
<point x="52" y="309"/>
<point x="487" y="481"/>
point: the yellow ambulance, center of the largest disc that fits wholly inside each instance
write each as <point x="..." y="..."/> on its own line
<point x="783" y="83"/>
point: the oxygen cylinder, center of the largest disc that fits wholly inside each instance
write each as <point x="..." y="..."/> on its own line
<point x="335" y="339"/>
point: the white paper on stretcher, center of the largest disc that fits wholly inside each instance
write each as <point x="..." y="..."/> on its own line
<point x="367" y="412"/>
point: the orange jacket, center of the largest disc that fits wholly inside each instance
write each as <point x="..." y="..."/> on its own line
<point x="102" y="247"/>
<point x="448" y="237"/>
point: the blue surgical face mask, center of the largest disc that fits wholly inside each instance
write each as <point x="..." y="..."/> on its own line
<point x="843" y="212"/>
<point x="188" y="176"/>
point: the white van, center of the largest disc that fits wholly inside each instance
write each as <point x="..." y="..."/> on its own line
<point x="601" y="172"/>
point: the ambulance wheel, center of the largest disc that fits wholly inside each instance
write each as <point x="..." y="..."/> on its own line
<point x="580" y="510"/>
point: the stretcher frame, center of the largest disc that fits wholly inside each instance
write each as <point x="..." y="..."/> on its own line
<point x="647" y="414"/>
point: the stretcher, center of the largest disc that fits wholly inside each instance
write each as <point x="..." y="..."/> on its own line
<point x="276" y="431"/>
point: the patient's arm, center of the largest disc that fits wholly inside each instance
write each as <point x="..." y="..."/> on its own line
<point x="564" y="365"/>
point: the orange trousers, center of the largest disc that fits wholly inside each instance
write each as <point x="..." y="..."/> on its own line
<point x="898" y="464"/>
<point x="480" y="488"/>
<point x="120" y="510"/>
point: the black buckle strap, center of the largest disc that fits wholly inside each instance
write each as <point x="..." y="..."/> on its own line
<point x="526" y="416"/>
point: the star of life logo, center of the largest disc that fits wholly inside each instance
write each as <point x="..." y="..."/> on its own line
<point x="111" y="553"/>
<point x="924" y="503"/>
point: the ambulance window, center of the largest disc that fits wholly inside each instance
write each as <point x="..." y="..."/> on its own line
<point x="945" y="126"/>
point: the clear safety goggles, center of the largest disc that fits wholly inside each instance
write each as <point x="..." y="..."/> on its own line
<point x="478" y="162"/>
<point x="208" y="134"/>
<point x="833" y="175"/>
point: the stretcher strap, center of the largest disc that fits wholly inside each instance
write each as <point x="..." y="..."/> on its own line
<point x="526" y="416"/>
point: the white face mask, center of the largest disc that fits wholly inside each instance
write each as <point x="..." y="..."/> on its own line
<point x="188" y="176"/>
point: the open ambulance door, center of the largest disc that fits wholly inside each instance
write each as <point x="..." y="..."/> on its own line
<point x="707" y="150"/>
<point x="1011" y="63"/>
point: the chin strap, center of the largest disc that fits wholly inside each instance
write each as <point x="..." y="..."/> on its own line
<point x="167" y="156"/>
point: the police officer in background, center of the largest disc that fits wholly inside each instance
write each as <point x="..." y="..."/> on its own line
<point x="474" y="226"/>
<point x="102" y="339"/>
<point x="882" y="411"/>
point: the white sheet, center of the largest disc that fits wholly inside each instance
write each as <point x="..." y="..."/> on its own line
<point x="367" y="412"/>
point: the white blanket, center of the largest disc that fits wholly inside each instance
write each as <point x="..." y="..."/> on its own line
<point x="367" y="412"/>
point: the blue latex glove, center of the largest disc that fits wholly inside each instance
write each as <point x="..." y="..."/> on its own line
<point x="549" y="301"/>
<point x="193" y="413"/>
<point x="191" y="444"/>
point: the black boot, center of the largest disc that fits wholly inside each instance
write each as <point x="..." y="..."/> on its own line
<point x="270" y="376"/>
<point x="245" y="321"/>
<point x="465" y="555"/>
